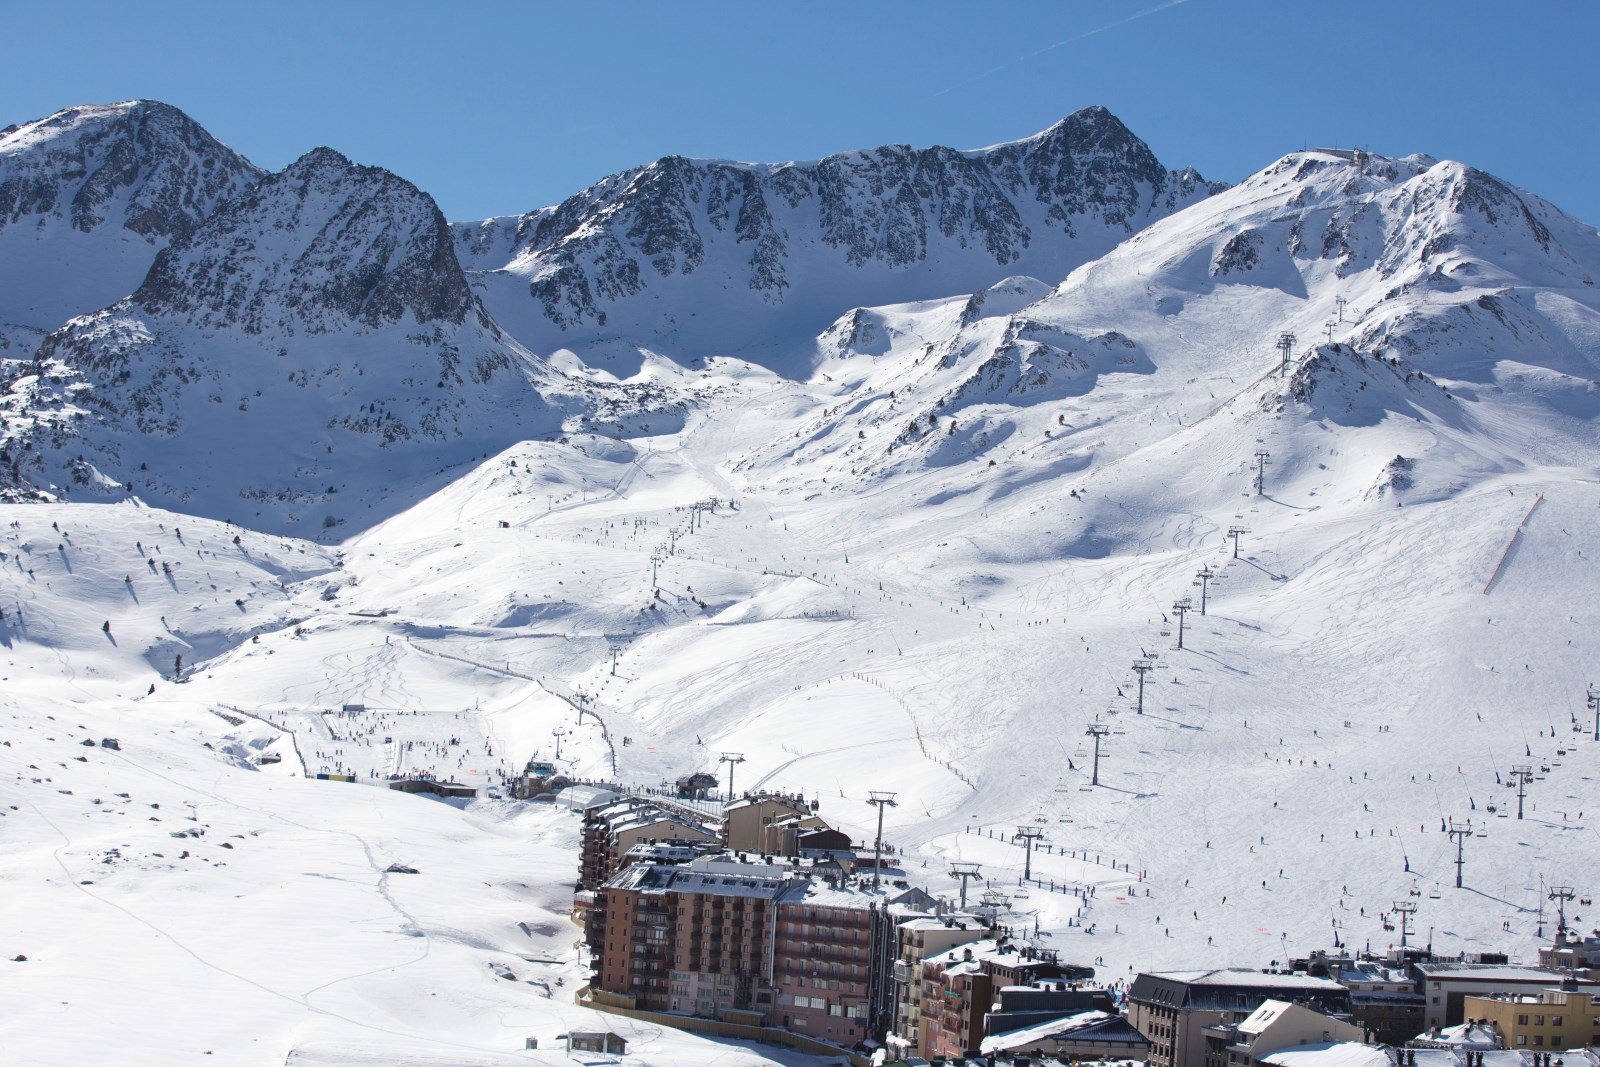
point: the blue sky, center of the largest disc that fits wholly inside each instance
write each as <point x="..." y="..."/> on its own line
<point x="497" y="108"/>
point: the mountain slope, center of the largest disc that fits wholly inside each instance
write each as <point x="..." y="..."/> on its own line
<point x="925" y="565"/>
<point x="89" y="195"/>
<point x="783" y="248"/>
<point x="318" y="328"/>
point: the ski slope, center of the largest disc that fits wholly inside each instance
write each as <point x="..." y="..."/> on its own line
<point x="928" y="567"/>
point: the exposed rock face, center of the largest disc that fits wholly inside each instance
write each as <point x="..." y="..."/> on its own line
<point x="321" y="316"/>
<point x="89" y="195"/>
<point x="363" y="248"/>
<point x="890" y="223"/>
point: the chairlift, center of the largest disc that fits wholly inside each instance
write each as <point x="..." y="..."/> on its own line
<point x="1433" y="894"/>
<point x="1414" y="891"/>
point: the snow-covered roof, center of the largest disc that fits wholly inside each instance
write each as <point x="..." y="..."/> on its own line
<point x="1487" y="972"/>
<point x="1086" y="1025"/>
<point x="1336" y="1054"/>
<point x="1463" y="1036"/>
<point x="1263" y="1016"/>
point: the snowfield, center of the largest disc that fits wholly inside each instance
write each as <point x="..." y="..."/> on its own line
<point x="927" y="563"/>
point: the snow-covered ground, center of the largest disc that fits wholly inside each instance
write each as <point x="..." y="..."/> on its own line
<point x="927" y="568"/>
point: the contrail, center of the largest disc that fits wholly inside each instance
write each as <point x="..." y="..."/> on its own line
<point x="1147" y="12"/>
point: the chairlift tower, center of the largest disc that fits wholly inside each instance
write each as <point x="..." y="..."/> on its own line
<point x="1029" y="835"/>
<point x="1523" y="773"/>
<point x="1460" y="831"/>
<point x="1405" y="909"/>
<point x="1205" y="574"/>
<point x="1142" y="667"/>
<point x="1286" y="350"/>
<point x="1561" y="894"/>
<point x="966" y="872"/>
<point x="1262" y="458"/>
<point x="1594" y="706"/>
<point x="1097" y="730"/>
<point x="558" y="733"/>
<point x="1235" y="531"/>
<point x="732" y="759"/>
<point x="1183" y="606"/>
<point x="616" y="650"/>
<point x="880" y="800"/>
<point x="1341" y="302"/>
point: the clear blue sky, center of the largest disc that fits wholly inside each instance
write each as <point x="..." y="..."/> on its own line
<point x="497" y="108"/>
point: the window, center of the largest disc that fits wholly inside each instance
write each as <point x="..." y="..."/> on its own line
<point x="1522" y="1020"/>
<point x="1538" y="1039"/>
<point x="1555" y="1020"/>
<point x="1538" y="1020"/>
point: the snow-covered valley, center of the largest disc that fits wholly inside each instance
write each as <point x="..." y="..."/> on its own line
<point x="920" y="550"/>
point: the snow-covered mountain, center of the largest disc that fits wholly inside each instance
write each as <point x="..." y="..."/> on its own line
<point x="699" y="257"/>
<point x="1419" y="293"/>
<point x="917" y="545"/>
<point x="89" y="195"/>
<point x="316" y="330"/>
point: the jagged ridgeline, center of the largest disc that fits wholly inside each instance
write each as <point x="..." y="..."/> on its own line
<point x="316" y="330"/>
<point x="770" y="250"/>
<point x="320" y="324"/>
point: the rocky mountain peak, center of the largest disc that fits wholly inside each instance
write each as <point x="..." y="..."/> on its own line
<point x="149" y="158"/>
<point x="778" y="245"/>
<point x="75" y="185"/>
<point x="322" y="245"/>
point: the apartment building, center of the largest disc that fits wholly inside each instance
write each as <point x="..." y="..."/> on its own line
<point x="1549" y="1019"/>
<point x="610" y="830"/>
<point x="1273" y="1027"/>
<point x="1173" y="1008"/>
<point x="692" y="938"/>
<point x="961" y="985"/>
<point x="917" y="939"/>
<point x="1447" y="985"/>
<point x="734" y="938"/>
